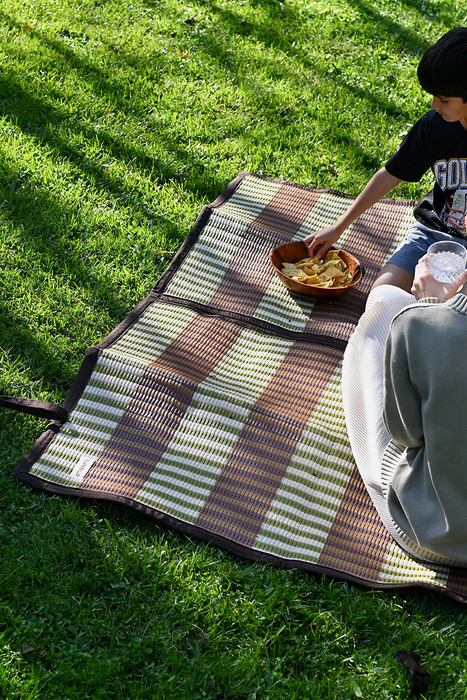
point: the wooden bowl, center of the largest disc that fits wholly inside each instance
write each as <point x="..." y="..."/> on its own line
<point x="297" y="250"/>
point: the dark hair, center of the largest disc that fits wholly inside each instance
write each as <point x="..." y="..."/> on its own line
<point x="443" y="68"/>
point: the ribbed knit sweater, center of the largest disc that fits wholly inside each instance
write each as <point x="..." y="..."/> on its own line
<point x="424" y="468"/>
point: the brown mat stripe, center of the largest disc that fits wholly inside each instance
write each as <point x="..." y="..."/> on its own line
<point x="287" y="210"/>
<point x="142" y="435"/>
<point x="249" y="275"/>
<point x="358" y="541"/>
<point x="372" y="236"/>
<point x="457" y="581"/>
<point x="198" y="349"/>
<point x="242" y="495"/>
<point x="247" y="279"/>
<point x="158" y="405"/>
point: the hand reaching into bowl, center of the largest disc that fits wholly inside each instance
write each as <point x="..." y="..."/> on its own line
<point x="319" y="242"/>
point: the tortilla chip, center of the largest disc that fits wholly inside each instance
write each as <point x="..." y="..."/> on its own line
<point x="332" y="255"/>
<point x="313" y="279"/>
<point x="325" y="285"/>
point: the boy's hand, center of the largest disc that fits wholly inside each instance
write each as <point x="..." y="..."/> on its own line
<point x="320" y="241"/>
<point x="425" y="285"/>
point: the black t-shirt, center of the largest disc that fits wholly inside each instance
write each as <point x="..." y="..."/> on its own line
<point x="442" y="146"/>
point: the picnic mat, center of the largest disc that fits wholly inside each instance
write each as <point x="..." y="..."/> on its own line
<point x="215" y="407"/>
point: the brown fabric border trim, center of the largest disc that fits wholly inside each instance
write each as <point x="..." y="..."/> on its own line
<point x="233" y="186"/>
<point x="21" y="471"/>
<point x="229" y="546"/>
<point x="183" y="251"/>
<point x="255" y="324"/>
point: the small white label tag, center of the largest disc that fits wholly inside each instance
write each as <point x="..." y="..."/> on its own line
<point x="82" y="467"/>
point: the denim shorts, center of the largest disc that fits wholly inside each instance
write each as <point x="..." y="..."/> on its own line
<point x="416" y="243"/>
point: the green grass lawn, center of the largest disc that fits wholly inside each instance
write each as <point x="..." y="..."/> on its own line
<point x="119" y="119"/>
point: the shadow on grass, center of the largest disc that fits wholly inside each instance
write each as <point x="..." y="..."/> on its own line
<point x="390" y="29"/>
<point x="52" y="244"/>
<point x="225" y="57"/>
<point x="47" y="226"/>
<point x="31" y="113"/>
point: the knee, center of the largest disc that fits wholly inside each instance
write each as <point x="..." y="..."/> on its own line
<point x="395" y="276"/>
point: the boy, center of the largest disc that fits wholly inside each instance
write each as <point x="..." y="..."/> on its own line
<point x="437" y="141"/>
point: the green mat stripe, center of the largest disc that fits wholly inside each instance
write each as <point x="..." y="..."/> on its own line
<point x="399" y="568"/>
<point x="251" y="360"/>
<point x="287" y="310"/>
<point x="250" y="198"/>
<point x="153" y="332"/>
<point x="209" y="260"/>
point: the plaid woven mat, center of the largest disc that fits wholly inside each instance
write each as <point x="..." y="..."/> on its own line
<point x="215" y="406"/>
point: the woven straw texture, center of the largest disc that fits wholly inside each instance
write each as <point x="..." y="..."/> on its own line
<point x="216" y="406"/>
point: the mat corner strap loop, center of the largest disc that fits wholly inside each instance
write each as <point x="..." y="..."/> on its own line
<point x="41" y="409"/>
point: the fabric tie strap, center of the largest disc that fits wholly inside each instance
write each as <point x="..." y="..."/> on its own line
<point x="41" y="409"/>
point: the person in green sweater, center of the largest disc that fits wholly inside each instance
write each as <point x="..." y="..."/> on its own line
<point x="424" y="467"/>
<point x="404" y="387"/>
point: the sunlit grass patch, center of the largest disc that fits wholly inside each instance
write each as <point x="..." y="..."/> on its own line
<point x="118" y="122"/>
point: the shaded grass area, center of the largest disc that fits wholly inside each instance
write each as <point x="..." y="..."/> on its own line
<point x="118" y="121"/>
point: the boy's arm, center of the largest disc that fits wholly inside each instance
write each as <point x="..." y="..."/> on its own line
<point x="380" y="184"/>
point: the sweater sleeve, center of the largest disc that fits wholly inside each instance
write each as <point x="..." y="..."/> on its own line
<point x="402" y="401"/>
